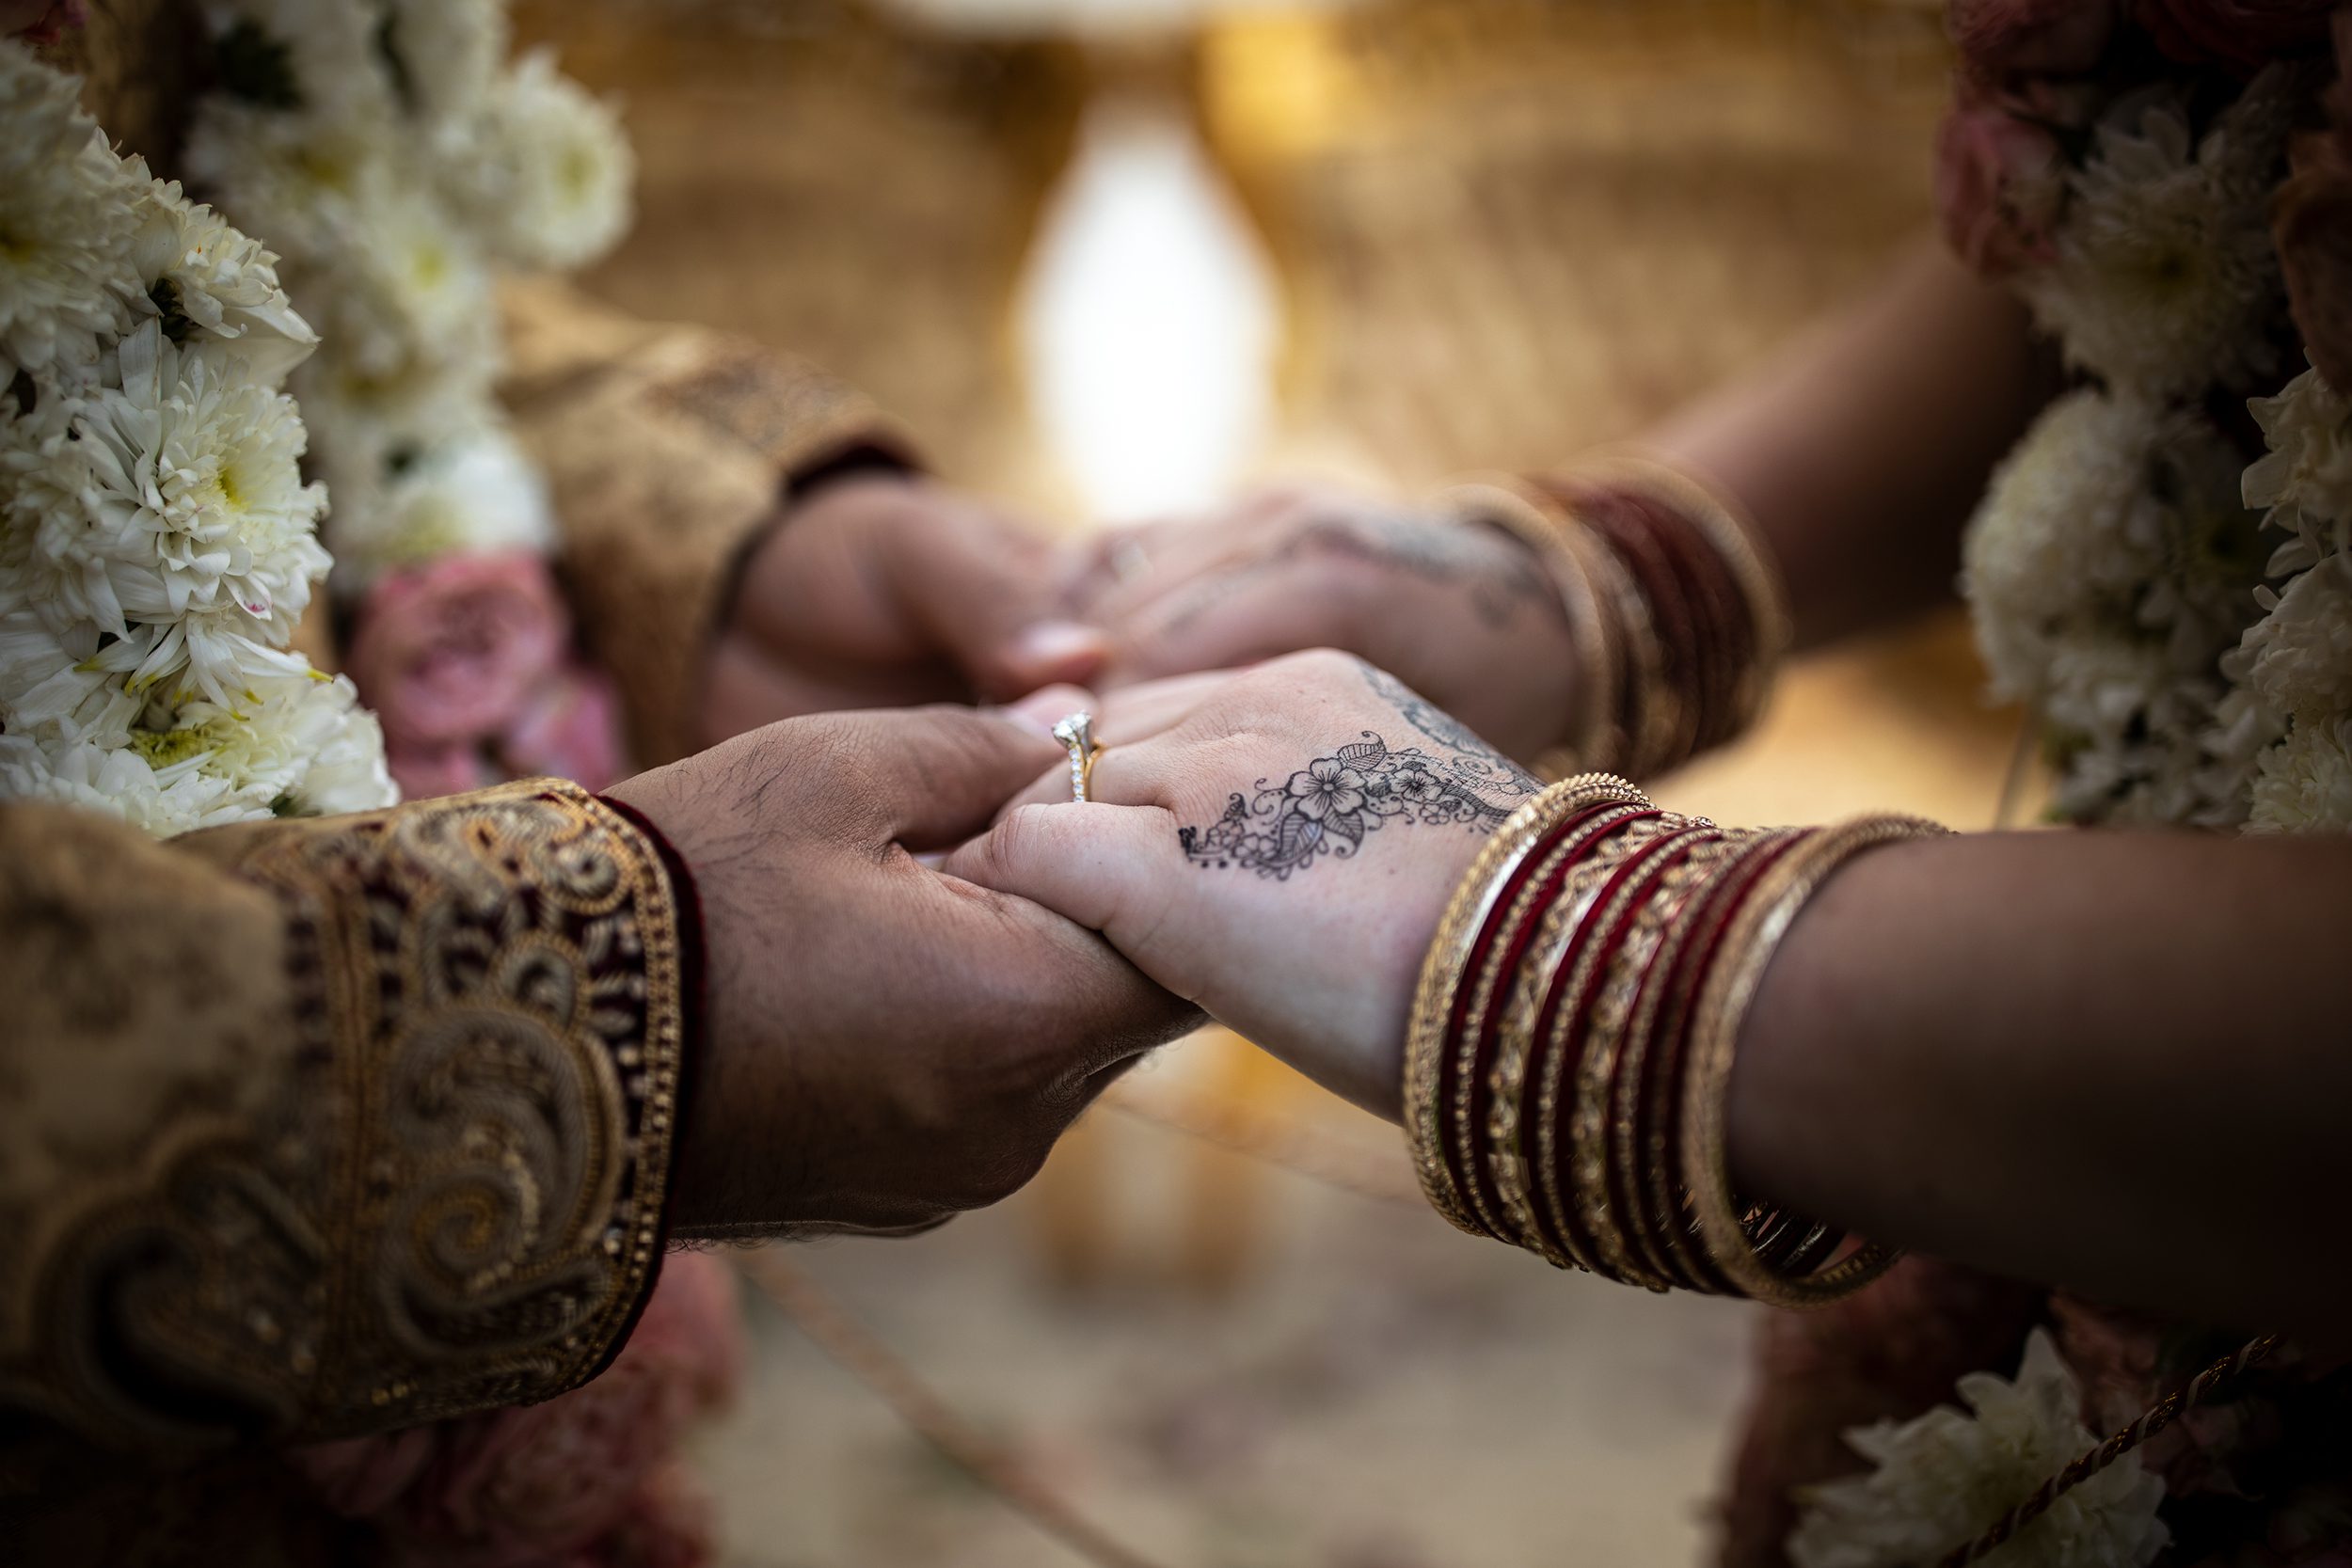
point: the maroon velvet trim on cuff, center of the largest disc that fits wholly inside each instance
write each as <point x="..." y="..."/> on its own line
<point x="687" y="899"/>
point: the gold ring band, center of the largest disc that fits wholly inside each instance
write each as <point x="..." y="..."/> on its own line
<point x="1077" y="732"/>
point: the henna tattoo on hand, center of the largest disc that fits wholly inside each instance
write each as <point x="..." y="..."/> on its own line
<point x="1327" y="807"/>
<point x="1473" y="756"/>
<point x="1499" y="584"/>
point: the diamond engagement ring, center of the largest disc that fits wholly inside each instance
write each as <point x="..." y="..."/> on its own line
<point x="1076" y="732"/>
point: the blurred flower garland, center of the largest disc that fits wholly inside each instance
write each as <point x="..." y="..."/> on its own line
<point x="401" y="163"/>
<point x="2147" y="177"/>
<point x="157" y="541"/>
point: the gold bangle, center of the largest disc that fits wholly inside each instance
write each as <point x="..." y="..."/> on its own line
<point x="1461" y="1115"/>
<point x="1563" y="1040"/>
<point x="1731" y="530"/>
<point x="1561" y="923"/>
<point x="1517" y="509"/>
<point x="1449" y="954"/>
<point x="1571" y="848"/>
<point x="1644" y="1105"/>
<point x="1726" y="991"/>
<point x="1600" y="1133"/>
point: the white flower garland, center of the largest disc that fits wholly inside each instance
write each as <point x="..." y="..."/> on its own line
<point x="157" y="541"/>
<point x="2115" y="566"/>
<point x="1946" y="1476"/>
<point x="397" y="162"/>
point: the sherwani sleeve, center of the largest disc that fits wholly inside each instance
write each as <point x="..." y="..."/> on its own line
<point x="667" y="450"/>
<point x="310" y="1128"/>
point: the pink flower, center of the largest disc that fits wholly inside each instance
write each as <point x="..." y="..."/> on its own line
<point x="1999" y="186"/>
<point x="580" y="1480"/>
<point x="450" y="650"/>
<point x="570" y="726"/>
<point x="2001" y="39"/>
<point x="426" y="772"/>
<point x="668" y="1525"/>
<point x="2242" y="36"/>
<point x="360" y="1476"/>
<point x="41" y="22"/>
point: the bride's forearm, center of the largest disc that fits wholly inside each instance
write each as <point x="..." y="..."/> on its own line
<point x="2119" y="1062"/>
<point x="1861" y="450"/>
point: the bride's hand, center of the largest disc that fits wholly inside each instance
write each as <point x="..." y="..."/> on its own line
<point x="1464" y="615"/>
<point x="1276" y="845"/>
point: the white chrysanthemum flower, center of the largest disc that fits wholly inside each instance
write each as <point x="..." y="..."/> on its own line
<point x="2298" y="656"/>
<point x="65" y="221"/>
<point x="298" y="56"/>
<point x="2111" y="516"/>
<point x="407" y="292"/>
<point x="1946" y="1476"/>
<point x="365" y="431"/>
<point x="215" y="290"/>
<point x="47" y="680"/>
<point x="2165" y="278"/>
<point x="2127" y="737"/>
<point x="548" y="173"/>
<point x="477" y="493"/>
<point x="2303" y="784"/>
<point x="2305" y="479"/>
<point x="2109" y="568"/>
<point x="307" y="182"/>
<point x="177" y="521"/>
<point x="449" y="53"/>
<point x="299" y="746"/>
<point x="2243" y="727"/>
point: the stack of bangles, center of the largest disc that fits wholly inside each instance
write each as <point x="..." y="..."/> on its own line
<point x="1678" y="618"/>
<point x="1572" y="1038"/>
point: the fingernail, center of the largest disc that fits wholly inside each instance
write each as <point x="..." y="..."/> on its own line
<point x="1050" y="645"/>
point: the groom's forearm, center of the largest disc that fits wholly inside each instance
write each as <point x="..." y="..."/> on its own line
<point x="1861" y="451"/>
<point x="2113" y="1061"/>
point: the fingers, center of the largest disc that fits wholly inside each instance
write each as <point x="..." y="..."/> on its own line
<point x="1027" y="973"/>
<point x="1126" y="716"/>
<point x="746" y="686"/>
<point x="932" y="777"/>
<point x="1108" y="868"/>
<point x="1152" y="708"/>
<point x="1234" y="619"/>
<point x="1136" y="566"/>
<point x="984" y="592"/>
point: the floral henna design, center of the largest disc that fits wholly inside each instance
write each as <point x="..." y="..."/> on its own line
<point x="1329" y="805"/>
<point x="1476" y="759"/>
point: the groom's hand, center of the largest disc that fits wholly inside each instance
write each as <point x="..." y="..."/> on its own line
<point x="881" y="589"/>
<point x="887" y="1045"/>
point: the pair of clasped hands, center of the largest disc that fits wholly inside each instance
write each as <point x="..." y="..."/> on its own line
<point x="923" y="959"/>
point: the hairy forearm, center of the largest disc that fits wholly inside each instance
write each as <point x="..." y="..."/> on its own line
<point x="1861" y="451"/>
<point x="2118" y="1062"/>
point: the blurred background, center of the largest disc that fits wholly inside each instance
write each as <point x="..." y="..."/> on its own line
<point x="1115" y="258"/>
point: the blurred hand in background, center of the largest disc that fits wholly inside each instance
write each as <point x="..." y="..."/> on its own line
<point x="1463" y="614"/>
<point x="881" y="589"/>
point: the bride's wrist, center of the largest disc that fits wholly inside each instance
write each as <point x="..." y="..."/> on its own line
<point x="1571" y="1042"/>
<point x="1678" y="617"/>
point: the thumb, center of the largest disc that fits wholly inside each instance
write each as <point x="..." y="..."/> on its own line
<point x="932" y="777"/>
<point x="987" y="595"/>
<point x="1110" y="868"/>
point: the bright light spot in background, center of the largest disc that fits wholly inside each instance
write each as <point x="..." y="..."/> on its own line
<point x="1149" y="321"/>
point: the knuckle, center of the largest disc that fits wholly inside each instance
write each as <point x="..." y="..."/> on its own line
<point x="1018" y="839"/>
